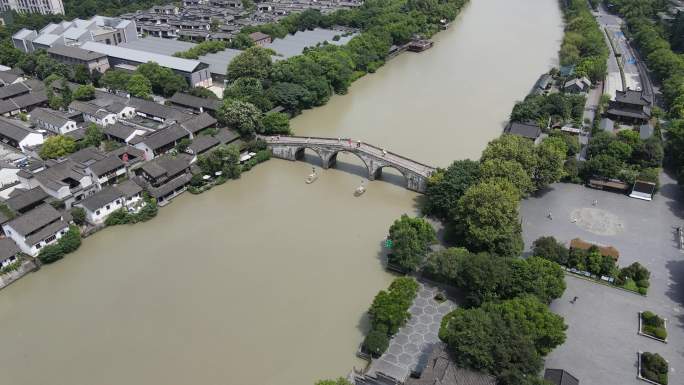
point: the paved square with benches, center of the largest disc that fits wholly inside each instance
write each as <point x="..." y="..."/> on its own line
<point x="602" y="340"/>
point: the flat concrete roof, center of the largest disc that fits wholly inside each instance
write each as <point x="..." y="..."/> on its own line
<point x="159" y="45"/>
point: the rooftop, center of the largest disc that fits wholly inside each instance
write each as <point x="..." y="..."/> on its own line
<point x="139" y="56"/>
<point x="101" y="198"/>
<point x="75" y="52"/>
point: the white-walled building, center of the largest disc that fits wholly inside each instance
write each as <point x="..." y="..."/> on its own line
<point x="18" y="136"/>
<point x="101" y="204"/>
<point x="45" y="7"/>
<point x="37" y="228"/>
<point x="54" y="121"/>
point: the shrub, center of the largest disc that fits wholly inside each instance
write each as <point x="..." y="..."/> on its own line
<point x="78" y="214"/>
<point x="123" y="217"/>
<point x="56" y="251"/>
<point x="51" y="253"/>
<point x="549" y="248"/>
<point x="652" y="319"/>
<point x="376" y="342"/>
<point x="654" y="367"/>
<point x="660" y="333"/>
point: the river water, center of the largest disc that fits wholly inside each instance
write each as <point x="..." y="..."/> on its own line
<point x="265" y="280"/>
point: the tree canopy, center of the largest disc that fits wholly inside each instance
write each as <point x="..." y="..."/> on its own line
<point x="411" y="238"/>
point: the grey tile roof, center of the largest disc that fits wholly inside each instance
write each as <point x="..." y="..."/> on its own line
<point x="12" y="130"/>
<point x="58" y="173"/>
<point x="101" y="198"/>
<point x="187" y="100"/>
<point x="8" y="248"/>
<point x="106" y="165"/>
<point x="203" y="143"/>
<point x="526" y="130"/>
<point x="52" y="117"/>
<point x="170" y="186"/>
<point x="47" y="231"/>
<point x="560" y="377"/>
<point x="75" y="52"/>
<point x="165" y="136"/>
<point x="199" y="123"/>
<point x="8" y="77"/>
<point x="88" y="155"/>
<point x="632" y="97"/>
<point x="31" y="99"/>
<point x="129" y="188"/>
<point x="134" y="155"/>
<point x="26" y="198"/>
<point x="165" y="165"/>
<point x="35" y="219"/>
<point x="442" y="370"/>
<point x="14" y="90"/>
<point x="226" y="135"/>
<point x="118" y="130"/>
<point x="159" y="110"/>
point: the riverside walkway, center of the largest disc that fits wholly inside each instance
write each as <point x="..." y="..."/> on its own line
<point x="374" y="158"/>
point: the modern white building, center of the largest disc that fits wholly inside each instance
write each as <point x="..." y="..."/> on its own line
<point x="36" y="229"/>
<point x="106" y="30"/>
<point x="17" y="136"/>
<point x="44" y="7"/>
<point x="53" y="121"/>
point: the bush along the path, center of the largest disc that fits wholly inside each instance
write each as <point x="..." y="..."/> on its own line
<point x="654" y="367"/>
<point x="388" y="313"/>
<point x="653" y="325"/>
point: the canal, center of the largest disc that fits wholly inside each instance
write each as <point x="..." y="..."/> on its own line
<point x="265" y="280"/>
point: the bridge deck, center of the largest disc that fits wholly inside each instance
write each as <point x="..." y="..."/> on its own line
<point x="351" y="146"/>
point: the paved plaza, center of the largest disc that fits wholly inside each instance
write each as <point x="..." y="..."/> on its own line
<point x="602" y="340"/>
<point x="412" y="345"/>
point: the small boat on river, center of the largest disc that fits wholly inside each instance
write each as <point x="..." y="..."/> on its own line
<point x="312" y="177"/>
<point x="361" y="189"/>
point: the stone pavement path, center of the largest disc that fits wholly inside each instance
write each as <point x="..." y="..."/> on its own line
<point x="412" y="345"/>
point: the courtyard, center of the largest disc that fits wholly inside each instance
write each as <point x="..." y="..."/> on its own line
<point x="602" y="341"/>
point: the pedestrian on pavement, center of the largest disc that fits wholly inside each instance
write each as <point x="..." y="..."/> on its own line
<point x="550" y="216"/>
<point x="574" y="299"/>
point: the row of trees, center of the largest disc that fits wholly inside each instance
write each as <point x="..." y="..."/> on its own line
<point x="388" y="313"/>
<point x="584" y="44"/>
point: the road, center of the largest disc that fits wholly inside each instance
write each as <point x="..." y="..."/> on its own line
<point x="612" y="24"/>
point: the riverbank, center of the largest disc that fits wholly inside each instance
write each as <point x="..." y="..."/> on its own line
<point x="267" y="280"/>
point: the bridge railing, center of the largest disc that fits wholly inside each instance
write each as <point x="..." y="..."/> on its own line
<point x="308" y="139"/>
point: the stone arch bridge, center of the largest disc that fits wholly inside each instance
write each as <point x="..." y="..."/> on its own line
<point x="374" y="158"/>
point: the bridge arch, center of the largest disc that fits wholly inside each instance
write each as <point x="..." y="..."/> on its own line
<point x="407" y="175"/>
<point x="300" y="152"/>
<point x="332" y="160"/>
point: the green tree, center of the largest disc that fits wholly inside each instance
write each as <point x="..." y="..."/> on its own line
<point x="445" y="265"/>
<point x="291" y="96"/>
<point x="81" y="74"/>
<point x="242" y="116"/>
<point x="93" y="136"/>
<point x="507" y="338"/>
<point x="513" y="148"/>
<point x="411" y="238"/>
<point x="445" y="187"/>
<point x="549" y="248"/>
<point x="78" y="214"/>
<point x="486" y="218"/>
<point x="84" y="92"/>
<point x="254" y="62"/>
<point x="276" y="123"/>
<point x="57" y="147"/>
<point x="139" y="86"/>
<point x="540" y="277"/>
<point x="115" y="80"/>
<point x="248" y="90"/>
<point x="508" y="170"/>
<point x="550" y="161"/>
<point x="163" y="81"/>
